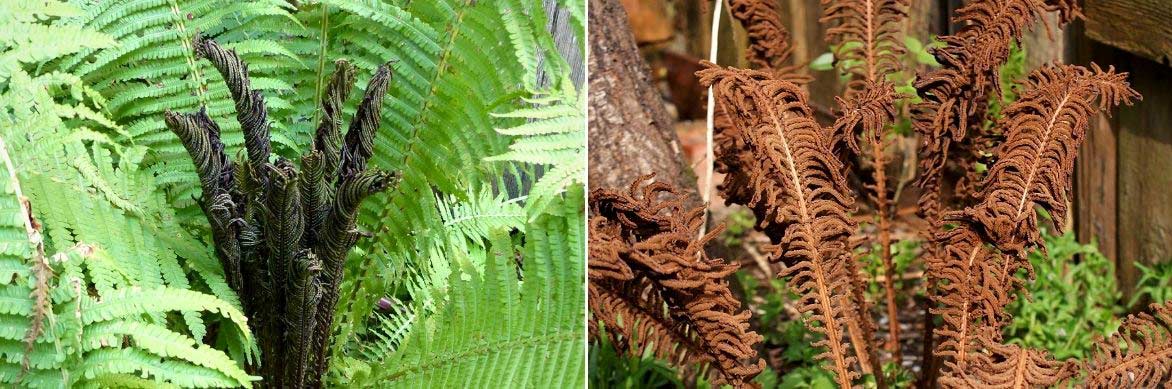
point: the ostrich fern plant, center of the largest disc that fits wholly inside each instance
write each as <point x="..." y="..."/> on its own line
<point x="484" y="224"/>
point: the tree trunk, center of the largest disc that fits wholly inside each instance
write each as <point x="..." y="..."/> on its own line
<point x="631" y="133"/>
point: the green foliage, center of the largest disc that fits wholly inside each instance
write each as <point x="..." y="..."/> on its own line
<point x="60" y="327"/>
<point x="83" y="85"/>
<point x="498" y="329"/>
<point x="737" y="225"/>
<point x="903" y="254"/>
<point x="95" y="316"/>
<point x="800" y="367"/>
<point x="1071" y="301"/>
<point x="1154" y="284"/>
<point x="152" y="69"/>
<point x="610" y="368"/>
<point x="1011" y="72"/>
<point x="552" y="136"/>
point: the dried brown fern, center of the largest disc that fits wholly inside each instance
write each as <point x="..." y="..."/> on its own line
<point x="1043" y="129"/>
<point x="769" y="51"/>
<point x="969" y="294"/>
<point x="1000" y="366"/>
<point x="954" y="96"/>
<point x="1138" y="356"/>
<point x="864" y="34"/>
<point x="868" y="114"/>
<point x="976" y="275"/>
<point x="795" y="187"/>
<point x="953" y="102"/>
<point x="649" y="289"/>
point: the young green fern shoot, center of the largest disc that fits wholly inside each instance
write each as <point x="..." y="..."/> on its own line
<point x="282" y="233"/>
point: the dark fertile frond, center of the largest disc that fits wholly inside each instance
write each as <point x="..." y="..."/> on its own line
<point x="795" y="187"/>
<point x="1138" y="356"/>
<point x="282" y="234"/>
<point x="328" y="138"/>
<point x="652" y="285"/>
<point x="250" y="104"/>
<point x="302" y="315"/>
<point x="201" y="137"/>
<point x="954" y="96"/>
<point x="865" y="34"/>
<point x="359" y="142"/>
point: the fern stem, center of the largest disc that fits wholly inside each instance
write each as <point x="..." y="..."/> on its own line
<point x="321" y="61"/>
<point x="881" y="203"/>
<point x="189" y="54"/>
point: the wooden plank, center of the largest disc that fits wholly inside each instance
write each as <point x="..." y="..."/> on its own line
<point x="1145" y="170"/>
<point x="1143" y="27"/>
<point x="1096" y="204"/>
<point x="566" y="40"/>
<point x="1095" y="198"/>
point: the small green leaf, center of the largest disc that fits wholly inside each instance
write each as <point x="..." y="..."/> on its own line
<point x="824" y="62"/>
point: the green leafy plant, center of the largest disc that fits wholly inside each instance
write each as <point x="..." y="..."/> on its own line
<point x="1069" y="303"/>
<point x="611" y="368"/>
<point x="1155" y="283"/>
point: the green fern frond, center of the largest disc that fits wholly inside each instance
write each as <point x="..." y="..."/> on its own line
<point x="498" y="330"/>
<point x="27" y="40"/>
<point x="392" y="328"/>
<point x="152" y="69"/>
<point x="56" y="334"/>
<point x="117" y="235"/>
<point x="437" y="128"/>
<point x="474" y="219"/>
<point x="555" y="135"/>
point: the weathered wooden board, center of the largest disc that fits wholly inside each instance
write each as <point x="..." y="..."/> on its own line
<point x="1143" y="27"/>
<point x="1145" y="170"/>
<point x="1124" y="170"/>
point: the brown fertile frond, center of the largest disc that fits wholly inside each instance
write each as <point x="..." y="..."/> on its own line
<point x="1043" y="129"/>
<point x="1001" y="366"/>
<point x="867" y="113"/>
<point x="969" y="294"/>
<point x="865" y="34"/>
<point x="954" y="96"/>
<point x="769" y="47"/>
<point x="768" y="50"/>
<point x="795" y="187"/>
<point x="650" y="290"/>
<point x="1138" y="356"/>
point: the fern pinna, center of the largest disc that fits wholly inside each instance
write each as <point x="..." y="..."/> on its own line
<point x="644" y="255"/>
<point x="282" y="233"/>
<point x="783" y="166"/>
